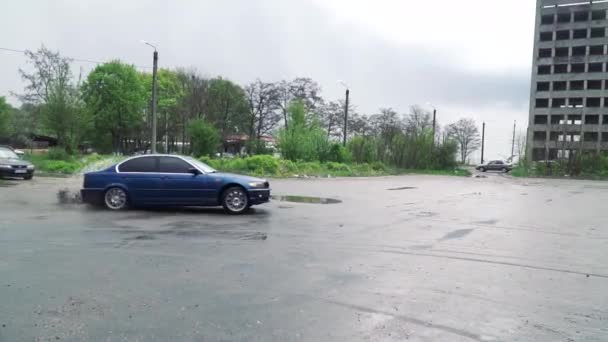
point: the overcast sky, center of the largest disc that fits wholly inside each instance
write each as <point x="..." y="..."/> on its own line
<point x="470" y="58"/>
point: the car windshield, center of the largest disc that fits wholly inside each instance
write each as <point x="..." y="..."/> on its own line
<point x="5" y="153"/>
<point x="206" y="168"/>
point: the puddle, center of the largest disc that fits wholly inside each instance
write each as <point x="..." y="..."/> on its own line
<point x="487" y="222"/>
<point x="403" y="188"/>
<point x="457" y="234"/>
<point x="304" y="199"/>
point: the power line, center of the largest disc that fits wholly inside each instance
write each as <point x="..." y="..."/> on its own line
<point x="71" y="58"/>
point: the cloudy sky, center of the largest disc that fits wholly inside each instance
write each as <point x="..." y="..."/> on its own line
<point x="470" y="58"/>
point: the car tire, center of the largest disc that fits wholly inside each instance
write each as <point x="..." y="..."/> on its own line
<point x="116" y="199"/>
<point x="235" y="200"/>
<point x="482" y="169"/>
<point x="505" y="170"/>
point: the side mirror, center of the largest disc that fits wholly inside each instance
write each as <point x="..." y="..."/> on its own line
<point x="194" y="171"/>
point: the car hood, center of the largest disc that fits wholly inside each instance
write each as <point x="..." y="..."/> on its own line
<point x="15" y="162"/>
<point x="235" y="177"/>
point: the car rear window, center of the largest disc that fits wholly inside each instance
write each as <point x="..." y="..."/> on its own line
<point x="142" y="164"/>
<point x="173" y="165"/>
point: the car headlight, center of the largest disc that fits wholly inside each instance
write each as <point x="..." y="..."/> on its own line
<point x="258" y="185"/>
<point x="5" y="166"/>
<point x="30" y="167"/>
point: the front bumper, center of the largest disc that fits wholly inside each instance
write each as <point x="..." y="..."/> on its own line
<point x="259" y="196"/>
<point x="16" y="172"/>
<point x="92" y="196"/>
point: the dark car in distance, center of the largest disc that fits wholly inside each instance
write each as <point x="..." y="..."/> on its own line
<point x="172" y="181"/>
<point x="495" y="165"/>
<point x="11" y="164"/>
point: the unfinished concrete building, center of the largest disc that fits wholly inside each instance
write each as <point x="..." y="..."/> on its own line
<point x="569" y="95"/>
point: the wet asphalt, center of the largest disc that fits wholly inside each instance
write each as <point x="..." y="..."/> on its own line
<point x="416" y="258"/>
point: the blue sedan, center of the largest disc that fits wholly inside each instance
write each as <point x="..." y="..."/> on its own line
<point x="170" y="180"/>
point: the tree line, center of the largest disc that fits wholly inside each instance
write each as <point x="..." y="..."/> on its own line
<point x="109" y="110"/>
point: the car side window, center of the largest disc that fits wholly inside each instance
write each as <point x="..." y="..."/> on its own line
<point x="142" y="164"/>
<point x="173" y="165"/>
<point x="498" y="163"/>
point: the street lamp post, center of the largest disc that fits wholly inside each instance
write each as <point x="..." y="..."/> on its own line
<point x="345" y="111"/>
<point x="154" y="81"/>
<point x="434" y="120"/>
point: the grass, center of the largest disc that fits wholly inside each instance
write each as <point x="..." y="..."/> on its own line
<point x="47" y="165"/>
<point x="60" y="164"/>
<point x="267" y="166"/>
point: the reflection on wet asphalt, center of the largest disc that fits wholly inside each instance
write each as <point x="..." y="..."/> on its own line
<point x="305" y="199"/>
<point x="456" y="259"/>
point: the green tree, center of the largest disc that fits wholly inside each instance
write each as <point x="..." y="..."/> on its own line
<point x="115" y="97"/>
<point x="51" y="87"/>
<point x="170" y="99"/>
<point x="5" y="119"/>
<point x="303" y="141"/>
<point x="204" y="138"/>
<point x="227" y="107"/>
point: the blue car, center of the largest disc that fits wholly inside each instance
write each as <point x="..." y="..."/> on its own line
<point x="170" y="180"/>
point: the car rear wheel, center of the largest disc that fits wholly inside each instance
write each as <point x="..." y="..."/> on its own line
<point x="235" y="200"/>
<point x="116" y="199"/>
<point x="482" y="169"/>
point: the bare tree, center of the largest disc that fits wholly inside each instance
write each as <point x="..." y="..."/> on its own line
<point x="332" y="115"/>
<point x="466" y="134"/>
<point x="521" y="142"/>
<point x="303" y="89"/>
<point x="418" y="120"/>
<point x="359" y="124"/>
<point x="263" y="101"/>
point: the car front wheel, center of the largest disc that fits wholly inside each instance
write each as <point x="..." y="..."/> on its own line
<point x="235" y="200"/>
<point x="482" y="169"/>
<point x="505" y="170"/>
<point x="116" y="199"/>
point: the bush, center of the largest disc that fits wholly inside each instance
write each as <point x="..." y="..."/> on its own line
<point x="331" y="166"/>
<point x="302" y="141"/>
<point x="204" y="137"/>
<point x="57" y="153"/>
<point x="262" y="164"/>
<point x="339" y="154"/>
<point x="378" y="166"/>
<point x="362" y="150"/>
<point x="287" y="167"/>
<point x="60" y="166"/>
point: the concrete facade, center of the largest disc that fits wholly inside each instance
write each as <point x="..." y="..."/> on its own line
<point x="569" y="91"/>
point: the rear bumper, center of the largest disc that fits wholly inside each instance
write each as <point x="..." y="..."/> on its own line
<point x="13" y="173"/>
<point x="259" y="196"/>
<point x="92" y="196"/>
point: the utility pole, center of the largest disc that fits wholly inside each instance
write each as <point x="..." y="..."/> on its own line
<point x="346" y="116"/>
<point x="154" y="81"/>
<point x="434" y="124"/>
<point x="154" y="77"/>
<point x="483" y="140"/>
<point x="513" y="143"/>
